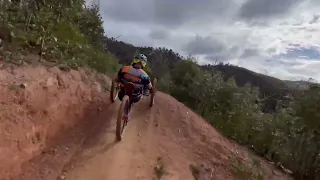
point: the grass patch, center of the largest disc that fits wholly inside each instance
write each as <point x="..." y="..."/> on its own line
<point x="160" y="170"/>
<point x="247" y="171"/>
<point x="195" y="171"/>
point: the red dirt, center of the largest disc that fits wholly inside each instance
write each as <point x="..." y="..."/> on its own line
<point x="60" y="125"/>
<point x="38" y="104"/>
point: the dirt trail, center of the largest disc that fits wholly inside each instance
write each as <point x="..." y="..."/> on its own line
<point x="108" y="159"/>
<point x="169" y="134"/>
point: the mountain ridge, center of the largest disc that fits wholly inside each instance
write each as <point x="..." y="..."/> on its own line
<point x="125" y="51"/>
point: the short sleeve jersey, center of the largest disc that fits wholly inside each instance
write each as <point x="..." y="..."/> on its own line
<point x="137" y="76"/>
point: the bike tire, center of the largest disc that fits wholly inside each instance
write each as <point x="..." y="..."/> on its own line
<point x="152" y="97"/>
<point x="113" y="91"/>
<point x="120" y="122"/>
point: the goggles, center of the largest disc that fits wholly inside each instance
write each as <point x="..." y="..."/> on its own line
<point x="139" y="61"/>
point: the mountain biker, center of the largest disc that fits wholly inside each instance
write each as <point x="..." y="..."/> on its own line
<point x="134" y="73"/>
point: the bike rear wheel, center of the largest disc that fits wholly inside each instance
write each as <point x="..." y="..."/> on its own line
<point x="114" y="91"/>
<point x="121" y="122"/>
<point x="154" y="84"/>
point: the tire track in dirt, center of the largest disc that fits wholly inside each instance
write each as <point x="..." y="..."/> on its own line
<point x="129" y="159"/>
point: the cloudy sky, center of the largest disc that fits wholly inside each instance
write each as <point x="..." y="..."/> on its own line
<point x="280" y="38"/>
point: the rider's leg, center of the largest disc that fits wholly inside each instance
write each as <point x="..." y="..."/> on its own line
<point x="145" y="91"/>
<point x="129" y="109"/>
<point x="121" y="94"/>
<point x="134" y="99"/>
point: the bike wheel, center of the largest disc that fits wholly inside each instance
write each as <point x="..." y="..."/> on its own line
<point x="154" y="84"/>
<point x="114" y="91"/>
<point x="121" y="123"/>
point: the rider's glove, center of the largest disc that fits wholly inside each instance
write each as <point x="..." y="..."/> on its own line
<point x="144" y="76"/>
<point x="145" y="79"/>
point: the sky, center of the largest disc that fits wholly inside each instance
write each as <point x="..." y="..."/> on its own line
<point x="279" y="38"/>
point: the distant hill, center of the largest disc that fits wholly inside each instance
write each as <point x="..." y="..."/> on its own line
<point x="161" y="60"/>
<point x="271" y="89"/>
<point x="243" y="76"/>
<point x="300" y="85"/>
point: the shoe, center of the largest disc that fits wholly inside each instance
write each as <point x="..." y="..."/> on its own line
<point x="126" y="118"/>
<point x="146" y="92"/>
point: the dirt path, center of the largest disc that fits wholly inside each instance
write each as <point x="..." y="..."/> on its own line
<point x="108" y="159"/>
<point x="167" y="135"/>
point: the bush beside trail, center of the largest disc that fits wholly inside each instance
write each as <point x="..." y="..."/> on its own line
<point x="63" y="32"/>
<point x="290" y="137"/>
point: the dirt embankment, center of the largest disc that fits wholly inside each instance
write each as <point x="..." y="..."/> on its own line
<point x="38" y="104"/>
<point x="60" y="125"/>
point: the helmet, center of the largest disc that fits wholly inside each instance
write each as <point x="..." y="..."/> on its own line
<point x="140" y="58"/>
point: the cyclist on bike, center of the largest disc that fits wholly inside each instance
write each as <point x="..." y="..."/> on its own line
<point x="136" y="75"/>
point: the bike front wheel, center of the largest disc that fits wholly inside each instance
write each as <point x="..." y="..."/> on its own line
<point x="114" y="91"/>
<point x="154" y="84"/>
<point x="121" y="121"/>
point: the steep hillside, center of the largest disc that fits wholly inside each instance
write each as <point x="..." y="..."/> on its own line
<point x="60" y="125"/>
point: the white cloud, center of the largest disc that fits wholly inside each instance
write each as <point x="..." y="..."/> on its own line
<point x="280" y="41"/>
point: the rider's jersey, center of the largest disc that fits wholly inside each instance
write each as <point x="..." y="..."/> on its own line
<point x="137" y="76"/>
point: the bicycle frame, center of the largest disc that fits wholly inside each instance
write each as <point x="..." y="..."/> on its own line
<point x="128" y="89"/>
<point x="125" y="106"/>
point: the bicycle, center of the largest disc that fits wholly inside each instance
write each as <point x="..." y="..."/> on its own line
<point x="126" y="104"/>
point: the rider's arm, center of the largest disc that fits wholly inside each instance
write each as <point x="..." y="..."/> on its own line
<point x="145" y="80"/>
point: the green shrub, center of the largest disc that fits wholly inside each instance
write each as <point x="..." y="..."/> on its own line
<point x="61" y="31"/>
<point x="291" y="136"/>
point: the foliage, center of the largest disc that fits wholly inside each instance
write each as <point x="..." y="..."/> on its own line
<point x="160" y="169"/>
<point x="290" y="136"/>
<point x="195" y="171"/>
<point x="66" y="32"/>
<point x="250" y="171"/>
